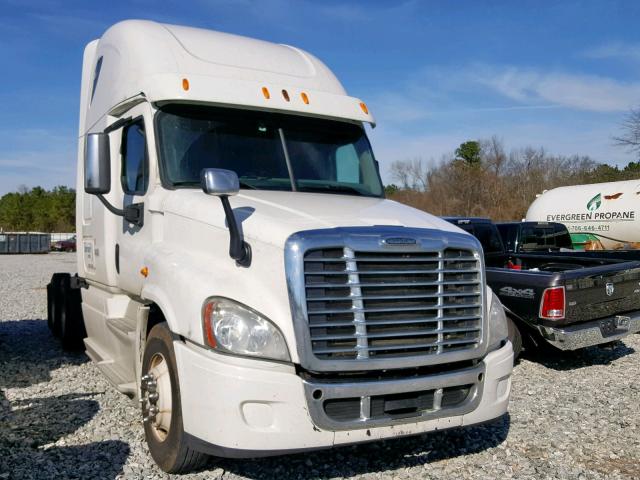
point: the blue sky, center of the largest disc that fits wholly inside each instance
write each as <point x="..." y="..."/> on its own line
<point x="535" y="73"/>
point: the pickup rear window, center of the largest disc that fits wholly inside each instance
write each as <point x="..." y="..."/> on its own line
<point x="268" y="151"/>
<point x="544" y="237"/>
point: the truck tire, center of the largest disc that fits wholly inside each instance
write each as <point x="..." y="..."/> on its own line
<point x="54" y="302"/>
<point x="159" y="394"/>
<point x="515" y="337"/>
<point x="72" y="329"/>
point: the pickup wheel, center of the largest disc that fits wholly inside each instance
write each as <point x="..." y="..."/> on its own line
<point x="514" y="335"/>
<point x="162" y="408"/>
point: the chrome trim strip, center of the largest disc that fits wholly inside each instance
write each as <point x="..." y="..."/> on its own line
<point x="572" y="337"/>
<point x="369" y="239"/>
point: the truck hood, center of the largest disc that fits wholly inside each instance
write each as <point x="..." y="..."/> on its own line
<point x="271" y="216"/>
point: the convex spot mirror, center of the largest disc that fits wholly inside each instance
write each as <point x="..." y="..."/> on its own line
<point x="97" y="164"/>
<point x="219" y="182"/>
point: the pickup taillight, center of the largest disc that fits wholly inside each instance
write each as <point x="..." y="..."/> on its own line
<point x="553" y="303"/>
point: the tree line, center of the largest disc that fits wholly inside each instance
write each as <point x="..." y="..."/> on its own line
<point x="482" y="179"/>
<point x="38" y="210"/>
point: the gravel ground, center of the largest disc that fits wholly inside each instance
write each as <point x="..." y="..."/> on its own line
<point x="573" y="416"/>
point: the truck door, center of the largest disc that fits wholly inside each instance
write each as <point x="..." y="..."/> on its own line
<point x="132" y="240"/>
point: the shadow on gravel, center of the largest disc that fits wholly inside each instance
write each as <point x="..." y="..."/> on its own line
<point x="587" y="357"/>
<point x="28" y="353"/>
<point x="97" y="460"/>
<point x="29" y="428"/>
<point x="380" y="456"/>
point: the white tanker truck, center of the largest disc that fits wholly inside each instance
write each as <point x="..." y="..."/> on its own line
<point x="600" y="216"/>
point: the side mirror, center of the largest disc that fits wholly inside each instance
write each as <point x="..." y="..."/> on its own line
<point x="97" y="164"/>
<point x="219" y="182"/>
<point x="222" y="184"/>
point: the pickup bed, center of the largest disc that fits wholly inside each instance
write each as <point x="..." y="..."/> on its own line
<point x="567" y="300"/>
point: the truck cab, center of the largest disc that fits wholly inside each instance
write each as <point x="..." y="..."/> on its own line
<point x="242" y="274"/>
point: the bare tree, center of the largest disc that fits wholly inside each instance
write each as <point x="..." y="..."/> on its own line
<point x="630" y="137"/>
<point x="500" y="185"/>
<point x="411" y="173"/>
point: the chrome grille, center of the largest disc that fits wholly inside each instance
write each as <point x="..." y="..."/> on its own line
<point x="388" y="304"/>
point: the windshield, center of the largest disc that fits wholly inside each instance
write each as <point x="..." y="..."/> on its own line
<point x="268" y="151"/>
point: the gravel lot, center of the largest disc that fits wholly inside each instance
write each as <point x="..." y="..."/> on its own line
<point x="574" y="416"/>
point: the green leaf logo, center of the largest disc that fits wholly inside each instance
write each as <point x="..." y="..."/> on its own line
<point x="594" y="203"/>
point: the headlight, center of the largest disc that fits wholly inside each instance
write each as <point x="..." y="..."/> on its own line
<point x="234" y="328"/>
<point x="498" y="330"/>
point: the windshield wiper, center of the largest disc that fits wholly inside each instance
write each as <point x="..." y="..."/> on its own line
<point x="185" y="182"/>
<point x="331" y="188"/>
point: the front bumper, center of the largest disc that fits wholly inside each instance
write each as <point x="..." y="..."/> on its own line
<point x="591" y="333"/>
<point x="246" y="408"/>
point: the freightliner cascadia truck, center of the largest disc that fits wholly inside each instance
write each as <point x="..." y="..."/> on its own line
<point x="240" y="272"/>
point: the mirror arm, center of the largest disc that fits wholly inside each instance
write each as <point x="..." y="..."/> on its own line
<point x="111" y="208"/>
<point x="239" y="250"/>
<point x="133" y="213"/>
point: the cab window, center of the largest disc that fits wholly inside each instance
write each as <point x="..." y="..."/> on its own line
<point x="135" y="162"/>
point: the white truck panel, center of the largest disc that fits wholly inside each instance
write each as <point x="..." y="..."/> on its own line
<point x="164" y="55"/>
<point x="266" y="409"/>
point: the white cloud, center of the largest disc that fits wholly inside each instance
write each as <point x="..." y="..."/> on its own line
<point x="577" y="91"/>
<point x="625" y="51"/>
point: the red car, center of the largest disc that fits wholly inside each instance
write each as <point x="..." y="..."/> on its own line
<point x="68" y="245"/>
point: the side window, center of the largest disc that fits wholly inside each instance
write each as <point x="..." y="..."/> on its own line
<point x="134" y="175"/>
<point x="96" y="76"/>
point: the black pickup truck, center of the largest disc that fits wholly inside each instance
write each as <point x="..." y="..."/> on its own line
<point x="568" y="301"/>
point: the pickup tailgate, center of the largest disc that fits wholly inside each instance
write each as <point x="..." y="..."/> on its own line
<point x="603" y="291"/>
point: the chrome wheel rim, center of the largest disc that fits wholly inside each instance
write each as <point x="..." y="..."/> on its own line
<point x="156" y="397"/>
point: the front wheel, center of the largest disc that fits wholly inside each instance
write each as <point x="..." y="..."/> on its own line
<point x="162" y="407"/>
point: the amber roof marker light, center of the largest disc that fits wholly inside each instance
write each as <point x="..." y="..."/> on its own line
<point x="305" y="98"/>
<point x="364" y="108"/>
<point x="185" y="84"/>
<point x="285" y="94"/>
<point x="265" y="93"/>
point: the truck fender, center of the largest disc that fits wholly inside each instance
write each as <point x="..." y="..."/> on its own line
<point x="155" y="294"/>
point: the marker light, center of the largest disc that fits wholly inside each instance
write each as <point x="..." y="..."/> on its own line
<point x="208" y="327"/>
<point x="305" y="98"/>
<point x="285" y="94"/>
<point x="265" y="92"/>
<point x="364" y="108"/>
<point x="552" y="304"/>
<point x="185" y="84"/>
<point x="144" y="271"/>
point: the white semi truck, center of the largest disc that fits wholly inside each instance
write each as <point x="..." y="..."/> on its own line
<point x="598" y="216"/>
<point x="297" y="310"/>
